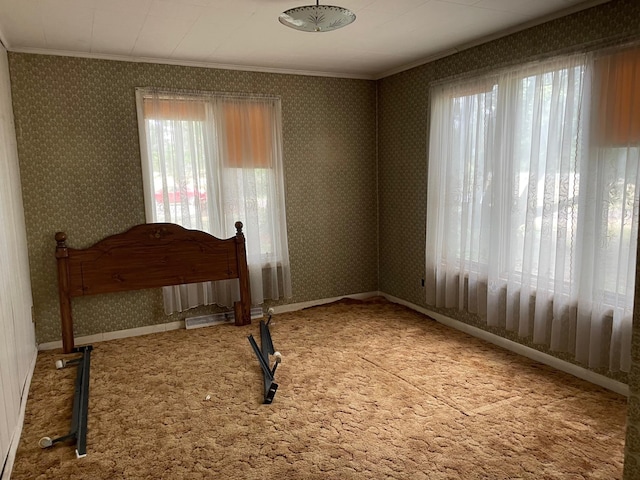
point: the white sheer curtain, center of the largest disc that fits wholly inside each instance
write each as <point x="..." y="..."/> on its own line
<point x="532" y="214"/>
<point x="210" y="160"/>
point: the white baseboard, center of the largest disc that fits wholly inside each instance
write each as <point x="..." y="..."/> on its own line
<point x="505" y="343"/>
<point x="103" y="337"/>
<point x="292" y="307"/>
<point x="15" y="440"/>
<point x="532" y="353"/>
<point x="165" y="327"/>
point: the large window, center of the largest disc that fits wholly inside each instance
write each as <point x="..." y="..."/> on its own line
<point x="210" y="160"/>
<point x="532" y="205"/>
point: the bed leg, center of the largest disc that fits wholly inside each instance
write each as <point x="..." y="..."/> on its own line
<point x="237" y="313"/>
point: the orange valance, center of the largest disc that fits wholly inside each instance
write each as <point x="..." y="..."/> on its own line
<point x="174" y="109"/>
<point x="249" y="135"/>
<point x="246" y="127"/>
<point x="619" y="104"/>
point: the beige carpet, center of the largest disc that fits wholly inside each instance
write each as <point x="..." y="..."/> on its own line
<point x="368" y="390"/>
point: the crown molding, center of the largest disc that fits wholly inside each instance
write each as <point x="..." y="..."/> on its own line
<point x="187" y="63"/>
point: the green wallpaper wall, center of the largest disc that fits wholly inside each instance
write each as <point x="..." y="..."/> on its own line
<point x="80" y="164"/>
<point x="403" y="125"/>
<point x="632" y="454"/>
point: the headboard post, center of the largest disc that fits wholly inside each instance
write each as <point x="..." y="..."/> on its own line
<point x="62" y="256"/>
<point x="243" y="278"/>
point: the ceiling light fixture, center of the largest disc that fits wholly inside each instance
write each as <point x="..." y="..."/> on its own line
<point x="317" y="18"/>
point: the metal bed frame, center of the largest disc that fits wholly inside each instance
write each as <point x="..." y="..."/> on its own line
<point x="263" y="354"/>
<point x="145" y="256"/>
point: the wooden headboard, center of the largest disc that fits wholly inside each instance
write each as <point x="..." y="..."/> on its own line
<point x="148" y="256"/>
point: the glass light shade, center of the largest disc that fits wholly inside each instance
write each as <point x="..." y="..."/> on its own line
<point x="317" y="18"/>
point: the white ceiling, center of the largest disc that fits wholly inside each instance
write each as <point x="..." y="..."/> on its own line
<point x="387" y="36"/>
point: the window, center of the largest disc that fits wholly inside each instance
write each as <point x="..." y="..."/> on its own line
<point x="532" y="208"/>
<point x="210" y="160"/>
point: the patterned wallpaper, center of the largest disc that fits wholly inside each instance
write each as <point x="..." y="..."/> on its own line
<point x="403" y="125"/>
<point x="632" y="454"/>
<point x="81" y="173"/>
